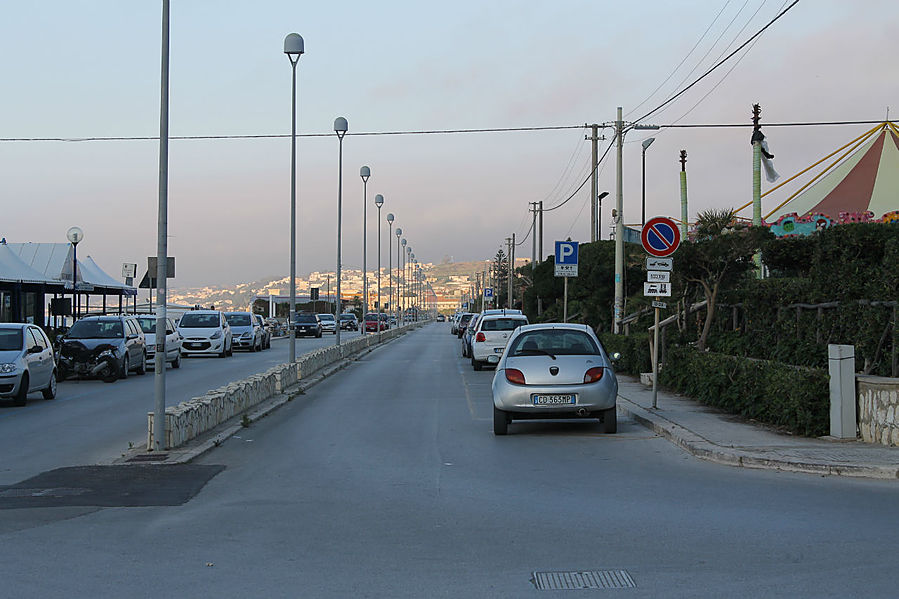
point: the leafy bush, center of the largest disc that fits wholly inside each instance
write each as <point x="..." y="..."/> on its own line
<point x="634" y="350"/>
<point x="770" y="392"/>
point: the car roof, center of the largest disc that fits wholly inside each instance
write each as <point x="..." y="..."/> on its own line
<point x="203" y="312"/>
<point x="555" y="325"/>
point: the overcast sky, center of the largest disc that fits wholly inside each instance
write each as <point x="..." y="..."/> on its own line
<point x="91" y="68"/>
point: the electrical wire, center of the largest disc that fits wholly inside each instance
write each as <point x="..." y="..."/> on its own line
<point x="719" y="63"/>
<point x="579" y="187"/>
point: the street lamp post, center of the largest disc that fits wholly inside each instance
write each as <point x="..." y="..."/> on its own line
<point x="379" y="201"/>
<point x="365" y="173"/>
<point x="294" y="48"/>
<point x="396" y="306"/>
<point x="646" y="143"/>
<point x="402" y="305"/>
<point x="390" y="219"/>
<point x="75" y="235"/>
<point x="340" y="128"/>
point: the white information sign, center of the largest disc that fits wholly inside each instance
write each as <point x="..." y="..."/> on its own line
<point x="653" y="263"/>
<point x="658" y="276"/>
<point x="656" y="289"/>
<point x="658" y="304"/>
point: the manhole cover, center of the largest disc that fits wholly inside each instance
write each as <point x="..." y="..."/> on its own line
<point x="592" y="579"/>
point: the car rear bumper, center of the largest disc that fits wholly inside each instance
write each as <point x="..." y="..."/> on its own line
<point x="593" y="397"/>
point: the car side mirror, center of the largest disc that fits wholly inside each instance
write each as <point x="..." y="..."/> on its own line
<point x="35" y="349"/>
<point x="132" y="336"/>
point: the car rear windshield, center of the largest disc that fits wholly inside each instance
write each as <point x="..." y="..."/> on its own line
<point x="465" y="318"/>
<point x="326" y="317"/>
<point x="503" y="324"/>
<point x="200" y="321"/>
<point x="371" y="318"/>
<point x="147" y="325"/>
<point x="96" y="329"/>
<point x="305" y="317"/>
<point x="554" y="341"/>
<point x="10" y="339"/>
<point x="238" y="320"/>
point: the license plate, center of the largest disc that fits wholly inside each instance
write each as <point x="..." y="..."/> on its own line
<point x="554" y="400"/>
<point x="192" y="345"/>
<point x="498" y="350"/>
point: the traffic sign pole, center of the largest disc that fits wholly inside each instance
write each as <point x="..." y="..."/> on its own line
<point x="655" y="362"/>
<point x="565" y="303"/>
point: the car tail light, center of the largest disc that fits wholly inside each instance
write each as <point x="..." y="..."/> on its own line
<point x="593" y="375"/>
<point x="480" y="337"/>
<point x="513" y="375"/>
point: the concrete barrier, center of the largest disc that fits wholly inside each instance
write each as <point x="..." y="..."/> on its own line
<point x="878" y="409"/>
<point x="190" y="419"/>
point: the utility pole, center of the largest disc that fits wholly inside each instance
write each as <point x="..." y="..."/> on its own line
<point x="683" y="194"/>
<point x="512" y="271"/>
<point x="540" y="246"/>
<point x="756" y="165"/>
<point x="595" y="217"/>
<point x="508" y="272"/>
<point x="534" y="239"/>
<point x="619" y="229"/>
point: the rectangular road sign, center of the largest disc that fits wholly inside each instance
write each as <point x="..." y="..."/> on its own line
<point x="566" y="258"/>
<point x="658" y="304"/>
<point x="659" y="263"/>
<point x="129" y="270"/>
<point x="658" y="276"/>
<point x="488" y="293"/>
<point x="656" y="289"/>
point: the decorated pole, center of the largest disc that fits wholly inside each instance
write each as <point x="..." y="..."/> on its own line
<point x="683" y="194"/>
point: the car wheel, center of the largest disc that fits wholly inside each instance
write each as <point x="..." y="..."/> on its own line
<point x="500" y="422"/>
<point x="231" y="350"/>
<point x="318" y="335"/>
<point x="142" y="369"/>
<point x="610" y="421"/>
<point x="476" y="365"/>
<point x="21" y="397"/>
<point x="126" y="366"/>
<point x="176" y="363"/>
<point x="50" y="391"/>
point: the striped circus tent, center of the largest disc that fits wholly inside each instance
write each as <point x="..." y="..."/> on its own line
<point x="857" y="182"/>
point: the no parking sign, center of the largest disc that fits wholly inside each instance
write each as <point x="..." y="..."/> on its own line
<point x="660" y="236"/>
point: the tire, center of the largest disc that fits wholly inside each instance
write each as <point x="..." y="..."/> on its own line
<point x="126" y="366"/>
<point x="50" y="391"/>
<point x="318" y="335"/>
<point x="176" y="363"/>
<point x="500" y="422"/>
<point x="610" y="421"/>
<point x="476" y="365"/>
<point x="230" y="350"/>
<point x="142" y="369"/>
<point x="21" y="397"/>
<point x="223" y="353"/>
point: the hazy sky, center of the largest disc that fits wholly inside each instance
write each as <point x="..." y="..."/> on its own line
<point x="89" y="68"/>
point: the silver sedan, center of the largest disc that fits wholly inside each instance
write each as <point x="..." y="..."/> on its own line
<point x="551" y="371"/>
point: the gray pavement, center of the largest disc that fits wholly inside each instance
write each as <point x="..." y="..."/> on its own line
<point x="723" y="438"/>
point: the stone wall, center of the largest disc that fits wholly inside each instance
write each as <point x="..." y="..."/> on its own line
<point x="189" y="419"/>
<point x="878" y="409"/>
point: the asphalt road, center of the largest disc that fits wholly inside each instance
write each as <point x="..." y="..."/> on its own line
<point x="91" y="421"/>
<point x="385" y="480"/>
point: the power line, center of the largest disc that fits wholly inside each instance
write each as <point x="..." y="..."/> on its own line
<point x="579" y="187"/>
<point x="287" y="135"/>
<point x="719" y="63"/>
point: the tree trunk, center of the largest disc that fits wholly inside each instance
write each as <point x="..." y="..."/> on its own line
<point x="711" y="294"/>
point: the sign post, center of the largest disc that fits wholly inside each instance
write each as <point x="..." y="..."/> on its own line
<point x="566" y="266"/>
<point x="660" y="237"/>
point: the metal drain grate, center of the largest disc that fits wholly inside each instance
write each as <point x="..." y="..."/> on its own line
<point x="592" y="579"/>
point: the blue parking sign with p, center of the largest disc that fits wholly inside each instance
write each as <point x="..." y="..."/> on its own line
<point x="566" y="258"/>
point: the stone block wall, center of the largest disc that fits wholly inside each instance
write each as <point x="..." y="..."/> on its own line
<point x="191" y="418"/>
<point x="878" y="409"/>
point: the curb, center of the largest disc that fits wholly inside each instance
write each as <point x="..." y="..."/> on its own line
<point x="706" y="450"/>
<point x="214" y="438"/>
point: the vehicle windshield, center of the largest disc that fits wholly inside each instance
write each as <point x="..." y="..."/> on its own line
<point x="238" y="320"/>
<point x="347" y="317"/>
<point x="200" y="321"/>
<point x="305" y="317"/>
<point x="10" y="339"/>
<point x="326" y="317"/>
<point x="465" y="318"/>
<point x="555" y="342"/>
<point x="502" y="324"/>
<point x="147" y="324"/>
<point x="96" y="329"/>
<point x="371" y="317"/>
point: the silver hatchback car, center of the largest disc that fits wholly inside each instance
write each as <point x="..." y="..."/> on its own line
<point x="27" y="363"/>
<point x="554" y="370"/>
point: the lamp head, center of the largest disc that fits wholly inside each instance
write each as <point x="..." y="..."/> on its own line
<point x="75" y="235"/>
<point x="293" y="46"/>
<point x="340" y="126"/>
<point x="390" y="217"/>
<point x="365" y="173"/>
<point x="404" y="242"/>
<point x="399" y="231"/>
<point x="648" y="142"/>
<point x="379" y="201"/>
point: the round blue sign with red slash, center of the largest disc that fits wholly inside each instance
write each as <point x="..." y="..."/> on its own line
<point x="660" y="236"/>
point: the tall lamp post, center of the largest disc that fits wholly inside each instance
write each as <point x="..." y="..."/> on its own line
<point x="293" y="47"/>
<point x="402" y="305"/>
<point x="390" y="219"/>
<point x="365" y="173"/>
<point x="646" y="143"/>
<point x="340" y="128"/>
<point x="379" y="201"/>
<point x="75" y="235"/>
<point x="396" y="306"/>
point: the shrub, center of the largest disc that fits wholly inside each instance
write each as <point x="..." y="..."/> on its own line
<point x="634" y="350"/>
<point x="796" y="399"/>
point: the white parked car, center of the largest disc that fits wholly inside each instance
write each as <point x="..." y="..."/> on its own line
<point x="26" y="363"/>
<point x="489" y="338"/>
<point x="329" y="323"/>
<point x="172" y="340"/>
<point x="205" y="332"/>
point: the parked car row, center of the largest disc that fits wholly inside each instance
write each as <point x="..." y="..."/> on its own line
<point x="112" y="346"/>
<point x="543" y="371"/>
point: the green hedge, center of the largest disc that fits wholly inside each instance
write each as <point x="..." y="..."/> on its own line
<point x="770" y="392"/>
<point x="634" y="350"/>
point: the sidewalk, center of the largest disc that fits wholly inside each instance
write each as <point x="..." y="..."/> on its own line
<point x="718" y="437"/>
